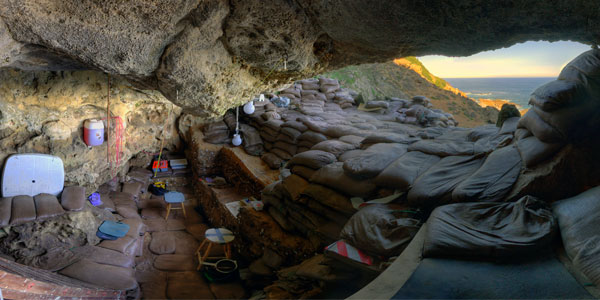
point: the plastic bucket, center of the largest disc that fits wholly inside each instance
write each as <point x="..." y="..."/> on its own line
<point x="93" y="132"/>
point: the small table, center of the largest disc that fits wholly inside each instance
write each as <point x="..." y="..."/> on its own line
<point x="174" y="197"/>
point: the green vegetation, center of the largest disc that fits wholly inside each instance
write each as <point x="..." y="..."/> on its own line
<point x="441" y="83"/>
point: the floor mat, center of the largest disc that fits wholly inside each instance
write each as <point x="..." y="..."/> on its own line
<point x="455" y="279"/>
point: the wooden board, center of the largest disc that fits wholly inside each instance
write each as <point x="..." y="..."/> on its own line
<point x="23" y="282"/>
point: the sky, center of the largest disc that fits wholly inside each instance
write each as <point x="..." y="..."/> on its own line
<point x="529" y="59"/>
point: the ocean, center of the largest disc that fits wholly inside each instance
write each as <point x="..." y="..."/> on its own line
<point x="516" y="90"/>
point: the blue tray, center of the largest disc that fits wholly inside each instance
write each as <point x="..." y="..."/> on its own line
<point x="105" y="236"/>
<point x="114" y="228"/>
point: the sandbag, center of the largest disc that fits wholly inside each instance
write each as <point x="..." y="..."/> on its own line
<point x="303" y="171"/>
<point x="272" y="160"/>
<point x="296" y="125"/>
<point x="5" y="210"/>
<point x="443" y="148"/>
<point x="294" y="185"/>
<point x="328" y="89"/>
<point x="136" y="227"/>
<point x="126" y="245"/>
<point x="107" y="203"/>
<point x="380" y="230"/>
<point x="175" y="262"/>
<point x="533" y="151"/>
<point x="352" y="139"/>
<point x="435" y="186"/>
<point x="401" y="174"/>
<point x="493" y="181"/>
<point x="105" y="256"/>
<point x="217" y="137"/>
<point x="162" y="243"/>
<point x="107" y="276"/>
<point x="557" y="94"/>
<point x="314" y="159"/>
<point x="387" y="137"/>
<point x="579" y="222"/>
<point x="22" y="210"/>
<point x="584" y="68"/>
<point x="266" y="137"/>
<point x="313" y="137"/>
<point x="134" y="188"/>
<point x="490" y="230"/>
<point x="73" y="198"/>
<point x="47" y="206"/>
<point x="542" y="130"/>
<point x="287" y="147"/>
<point x="333" y="176"/>
<point x="291" y="132"/>
<point x="373" y="160"/>
<point x="334" y="147"/>
<point x="337" y="131"/>
<point x="328" y="81"/>
<point x="281" y="154"/>
<point x="129" y="211"/>
<point x="291" y="90"/>
<point x="480" y="132"/>
<point x="273" y="124"/>
<point x="509" y="125"/>
<point x="490" y="143"/>
<point x="330" y="198"/>
<point x="285" y="138"/>
<point x="350" y="154"/>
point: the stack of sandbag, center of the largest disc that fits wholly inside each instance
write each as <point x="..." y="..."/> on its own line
<point x="110" y="263"/>
<point x="292" y="93"/>
<point x="251" y="140"/>
<point x="563" y="110"/>
<point x="419" y="111"/>
<point x="344" y="98"/>
<point x="286" y="202"/>
<point x="216" y="133"/>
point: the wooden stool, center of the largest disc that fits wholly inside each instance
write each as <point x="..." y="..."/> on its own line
<point x="174" y="197"/>
<point x="220" y="236"/>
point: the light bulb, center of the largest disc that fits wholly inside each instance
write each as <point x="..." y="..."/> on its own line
<point x="237" y="140"/>
<point x="249" y="107"/>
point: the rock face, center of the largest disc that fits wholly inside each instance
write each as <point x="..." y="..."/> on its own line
<point x="43" y="112"/>
<point x="217" y="52"/>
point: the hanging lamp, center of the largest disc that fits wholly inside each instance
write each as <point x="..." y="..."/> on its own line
<point x="249" y="107"/>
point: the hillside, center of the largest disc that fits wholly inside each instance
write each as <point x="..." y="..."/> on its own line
<point x="407" y="77"/>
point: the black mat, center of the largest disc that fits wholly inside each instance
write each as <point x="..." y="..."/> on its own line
<point x="456" y="279"/>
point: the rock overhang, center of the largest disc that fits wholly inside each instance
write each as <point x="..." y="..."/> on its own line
<point x="217" y="53"/>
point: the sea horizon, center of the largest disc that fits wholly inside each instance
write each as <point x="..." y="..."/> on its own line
<point x="514" y="89"/>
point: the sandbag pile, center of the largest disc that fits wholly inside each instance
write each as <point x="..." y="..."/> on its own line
<point x="420" y="111"/>
<point x="563" y="110"/>
<point x="22" y="209"/>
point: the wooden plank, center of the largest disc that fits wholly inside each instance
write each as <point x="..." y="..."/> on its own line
<point x="18" y="287"/>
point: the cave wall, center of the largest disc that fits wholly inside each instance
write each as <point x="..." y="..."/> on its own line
<point x="215" y="54"/>
<point x="43" y="112"/>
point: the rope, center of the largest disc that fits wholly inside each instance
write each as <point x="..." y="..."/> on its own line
<point x="237" y="122"/>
